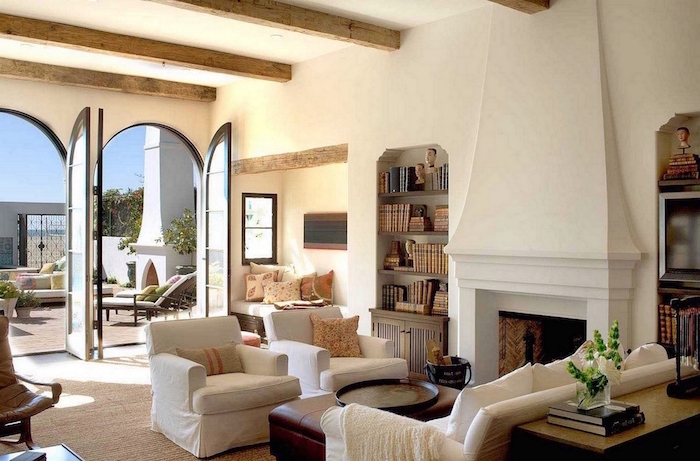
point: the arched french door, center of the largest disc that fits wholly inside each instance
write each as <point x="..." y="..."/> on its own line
<point x="197" y="166"/>
<point x="217" y="223"/>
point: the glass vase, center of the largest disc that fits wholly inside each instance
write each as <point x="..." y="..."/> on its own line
<point x="587" y="401"/>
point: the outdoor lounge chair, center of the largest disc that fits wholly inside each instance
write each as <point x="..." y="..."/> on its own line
<point x="176" y="299"/>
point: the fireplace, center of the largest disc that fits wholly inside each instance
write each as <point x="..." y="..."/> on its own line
<point x="589" y="288"/>
<point x="531" y="338"/>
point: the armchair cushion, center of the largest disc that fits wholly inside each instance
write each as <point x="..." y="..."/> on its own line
<point x="338" y="335"/>
<point x="241" y="391"/>
<point x="215" y="360"/>
<point x="348" y="370"/>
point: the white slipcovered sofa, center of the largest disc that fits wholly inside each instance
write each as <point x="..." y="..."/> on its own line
<point x="482" y="420"/>
<point x="208" y="414"/>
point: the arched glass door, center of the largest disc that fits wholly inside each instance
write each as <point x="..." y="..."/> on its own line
<point x="78" y="286"/>
<point x="217" y="216"/>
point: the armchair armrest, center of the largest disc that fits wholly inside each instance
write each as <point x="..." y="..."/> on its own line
<point x="258" y="361"/>
<point x="56" y="388"/>
<point x="376" y="348"/>
<point x="306" y="361"/>
<point x="174" y="379"/>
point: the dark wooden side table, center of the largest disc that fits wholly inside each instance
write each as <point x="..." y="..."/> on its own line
<point x="54" y="453"/>
<point x="671" y="428"/>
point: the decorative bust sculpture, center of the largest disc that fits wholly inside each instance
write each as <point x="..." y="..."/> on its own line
<point x="430" y="158"/>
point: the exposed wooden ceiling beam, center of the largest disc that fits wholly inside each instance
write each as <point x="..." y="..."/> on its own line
<point x="52" y="33"/>
<point x="289" y="17"/>
<point x="23" y="70"/>
<point x="526" y="6"/>
<point x="303" y="159"/>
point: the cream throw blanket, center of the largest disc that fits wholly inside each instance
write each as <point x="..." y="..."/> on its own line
<point x="377" y="435"/>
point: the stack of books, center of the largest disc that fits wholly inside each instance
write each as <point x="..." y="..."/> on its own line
<point x="442" y="218"/>
<point x="440" y="301"/>
<point x="606" y="420"/>
<point x="682" y="166"/>
<point x="419" y="224"/>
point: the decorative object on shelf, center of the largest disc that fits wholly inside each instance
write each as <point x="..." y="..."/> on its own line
<point x="600" y="367"/>
<point x="683" y="166"/>
<point x="430" y="158"/>
<point x="394" y="258"/>
<point x="683" y="134"/>
<point x="409" y="252"/>
<point x="420" y="224"/>
<point x="415" y="308"/>
<point x="687" y="310"/>
<point x="420" y="176"/>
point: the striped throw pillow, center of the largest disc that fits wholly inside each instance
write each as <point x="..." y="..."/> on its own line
<point x="215" y="360"/>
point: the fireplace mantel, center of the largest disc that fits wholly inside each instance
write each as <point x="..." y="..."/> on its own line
<point x="593" y="287"/>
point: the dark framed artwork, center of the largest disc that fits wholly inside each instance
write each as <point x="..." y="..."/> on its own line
<point x="327" y="231"/>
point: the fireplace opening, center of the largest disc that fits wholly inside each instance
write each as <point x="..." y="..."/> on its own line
<point x="536" y="338"/>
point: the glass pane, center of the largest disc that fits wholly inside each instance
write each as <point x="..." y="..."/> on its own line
<point x="216" y="301"/>
<point x="78" y="187"/>
<point x="258" y="243"/>
<point x="217" y="230"/>
<point x="77" y="275"/>
<point x="77" y="217"/>
<point x="217" y="159"/>
<point x="258" y="212"/>
<point x="216" y="197"/>
<point x="216" y="268"/>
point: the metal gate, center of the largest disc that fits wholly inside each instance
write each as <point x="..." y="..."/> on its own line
<point x="42" y="238"/>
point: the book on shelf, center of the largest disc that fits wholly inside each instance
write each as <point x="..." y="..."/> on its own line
<point x="601" y="415"/>
<point x="614" y="427"/>
<point x="414" y="308"/>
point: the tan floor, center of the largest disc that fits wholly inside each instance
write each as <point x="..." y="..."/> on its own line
<point x="45" y="330"/>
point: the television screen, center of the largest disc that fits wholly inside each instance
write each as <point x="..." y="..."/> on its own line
<point x="681" y="237"/>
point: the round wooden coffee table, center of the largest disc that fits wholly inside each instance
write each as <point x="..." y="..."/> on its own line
<point x="401" y="396"/>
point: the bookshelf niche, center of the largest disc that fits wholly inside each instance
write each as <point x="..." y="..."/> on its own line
<point x="412" y="268"/>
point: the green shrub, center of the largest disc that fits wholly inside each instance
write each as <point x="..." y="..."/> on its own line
<point x="8" y="290"/>
<point x="27" y="299"/>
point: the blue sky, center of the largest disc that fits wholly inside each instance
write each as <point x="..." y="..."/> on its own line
<point x="32" y="170"/>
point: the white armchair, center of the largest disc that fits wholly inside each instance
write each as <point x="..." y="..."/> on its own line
<point x="206" y="415"/>
<point x="291" y="332"/>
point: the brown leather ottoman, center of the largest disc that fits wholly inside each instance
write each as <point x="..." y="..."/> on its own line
<point x="295" y="427"/>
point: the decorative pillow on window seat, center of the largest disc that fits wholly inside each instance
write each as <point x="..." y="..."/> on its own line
<point x="337" y="335"/>
<point x="281" y="291"/>
<point x="254" y="285"/>
<point x="216" y="360"/>
<point x="278" y="269"/>
<point x="318" y="287"/>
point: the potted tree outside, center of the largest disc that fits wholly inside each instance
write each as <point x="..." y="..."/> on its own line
<point x="26" y="301"/>
<point x="182" y="236"/>
<point x="8" y="294"/>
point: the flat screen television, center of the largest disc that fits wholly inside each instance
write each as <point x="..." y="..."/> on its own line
<point x="679" y="237"/>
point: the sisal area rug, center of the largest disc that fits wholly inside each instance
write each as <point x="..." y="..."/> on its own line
<point x="111" y="422"/>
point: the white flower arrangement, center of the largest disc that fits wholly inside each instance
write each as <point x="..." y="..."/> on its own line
<point x="601" y="364"/>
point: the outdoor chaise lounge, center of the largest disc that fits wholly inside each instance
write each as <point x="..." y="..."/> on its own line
<point x="173" y="300"/>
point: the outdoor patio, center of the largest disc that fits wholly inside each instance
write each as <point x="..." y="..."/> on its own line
<point x="44" y="331"/>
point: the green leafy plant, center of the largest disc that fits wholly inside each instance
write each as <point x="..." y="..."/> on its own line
<point x="601" y="363"/>
<point x="112" y="280"/>
<point x="182" y="234"/>
<point x="8" y="290"/>
<point x="123" y="214"/>
<point x="27" y="299"/>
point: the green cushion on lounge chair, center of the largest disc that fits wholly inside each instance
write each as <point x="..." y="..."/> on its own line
<point x="145" y="292"/>
<point x="153" y="297"/>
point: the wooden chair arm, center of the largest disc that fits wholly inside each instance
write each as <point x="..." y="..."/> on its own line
<point x="56" y="388"/>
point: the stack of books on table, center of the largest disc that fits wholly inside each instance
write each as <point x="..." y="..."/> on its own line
<point x="606" y="420"/>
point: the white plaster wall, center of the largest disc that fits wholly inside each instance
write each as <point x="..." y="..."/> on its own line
<point x="652" y="71"/>
<point x="321" y="189"/>
<point x="428" y="92"/>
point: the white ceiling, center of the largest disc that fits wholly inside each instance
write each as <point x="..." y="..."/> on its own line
<point x="145" y="19"/>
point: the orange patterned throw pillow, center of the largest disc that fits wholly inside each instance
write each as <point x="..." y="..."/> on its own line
<point x="318" y="287"/>
<point x="216" y="360"/>
<point x="255" y="285"/>
<point x="339" y="336"/>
